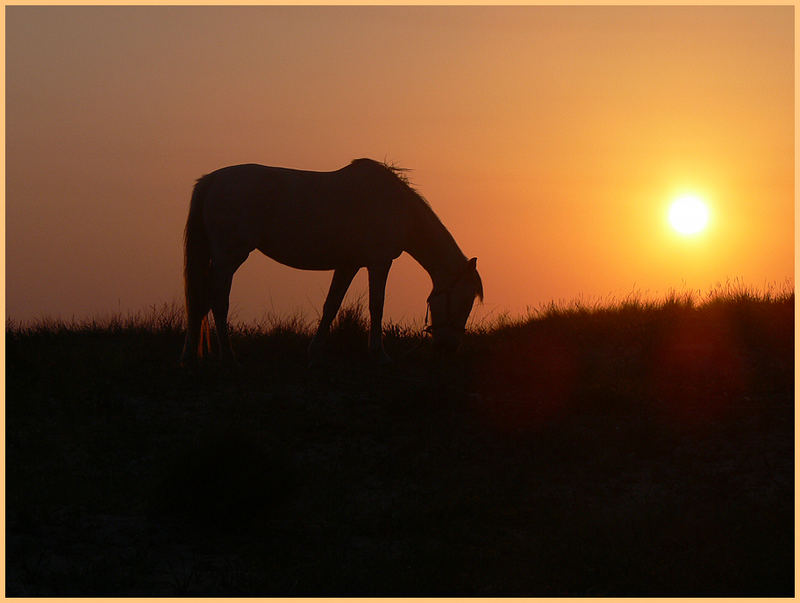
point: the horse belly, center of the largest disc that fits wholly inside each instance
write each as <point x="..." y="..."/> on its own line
<point x="318" y="247"/>
<point x="303" y="253"/>
<point x="324" y="234"/>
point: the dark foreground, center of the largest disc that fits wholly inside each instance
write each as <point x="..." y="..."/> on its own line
<point x="634" y="450"/>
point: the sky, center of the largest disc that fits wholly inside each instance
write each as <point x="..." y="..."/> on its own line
<point x="549" y="140"/>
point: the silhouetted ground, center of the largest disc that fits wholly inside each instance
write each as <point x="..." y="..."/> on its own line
<point x="637" y="449"/>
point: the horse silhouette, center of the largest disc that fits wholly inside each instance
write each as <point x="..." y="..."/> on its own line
<point x="362" y="215"/>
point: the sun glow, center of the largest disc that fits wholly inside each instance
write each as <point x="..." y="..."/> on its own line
<point x="688" y="215"/>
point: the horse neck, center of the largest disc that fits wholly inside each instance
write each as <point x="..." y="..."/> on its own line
<point x="432" y="245"/>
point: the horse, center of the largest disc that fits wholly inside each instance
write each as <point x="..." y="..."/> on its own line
<point x="363" y="215"/>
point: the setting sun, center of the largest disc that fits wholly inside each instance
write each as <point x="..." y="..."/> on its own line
<point x="688" y="215"/>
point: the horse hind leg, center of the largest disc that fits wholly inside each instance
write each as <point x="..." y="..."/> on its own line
<point x="221" y="280"/>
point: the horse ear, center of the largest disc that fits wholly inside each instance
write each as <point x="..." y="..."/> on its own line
<point x="473" y="263"/>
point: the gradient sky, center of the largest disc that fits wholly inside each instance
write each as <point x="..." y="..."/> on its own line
<point x="549" y="140"/>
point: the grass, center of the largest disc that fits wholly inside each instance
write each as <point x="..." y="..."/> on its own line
<point x="624" y="447"/>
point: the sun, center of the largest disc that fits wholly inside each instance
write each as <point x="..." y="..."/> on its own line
<point x="688" y="214"/>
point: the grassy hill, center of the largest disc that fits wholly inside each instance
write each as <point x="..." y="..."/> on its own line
<point x="631" y="448"/>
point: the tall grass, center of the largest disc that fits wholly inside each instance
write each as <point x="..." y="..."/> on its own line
<point x="730" y="293"/>
<point x="613" y="447"/>
<point x="166" y="318"/>
<point x="352" y="320"/>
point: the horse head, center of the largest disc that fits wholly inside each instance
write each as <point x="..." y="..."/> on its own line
<point x="450" y="307"/>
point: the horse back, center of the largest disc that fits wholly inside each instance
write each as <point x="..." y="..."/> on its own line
<point x="313" y="220"/>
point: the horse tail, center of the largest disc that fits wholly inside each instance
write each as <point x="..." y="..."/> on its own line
<point x="197" y="268"/>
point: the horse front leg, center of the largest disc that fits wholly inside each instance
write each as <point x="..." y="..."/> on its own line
<point x="342" y="277"/>
<point x="378" y="273"/>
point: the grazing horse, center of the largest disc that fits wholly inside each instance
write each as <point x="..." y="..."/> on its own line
<point x="364" y="214"/>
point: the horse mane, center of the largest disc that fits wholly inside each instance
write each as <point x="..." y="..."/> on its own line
<point x="399" y="174"/>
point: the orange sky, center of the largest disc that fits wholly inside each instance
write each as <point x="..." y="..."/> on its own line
<point x="550" y="141"/>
